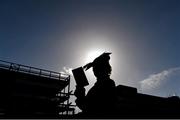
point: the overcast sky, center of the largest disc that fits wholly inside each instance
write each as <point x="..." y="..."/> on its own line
<point x="143" y="36"/>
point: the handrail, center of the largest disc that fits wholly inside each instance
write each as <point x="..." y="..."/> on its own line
<point x="33" y="70"/>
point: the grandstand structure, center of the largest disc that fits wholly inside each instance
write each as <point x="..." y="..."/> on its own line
<point x="132" y="104"/>
<point x="29" y="92"/>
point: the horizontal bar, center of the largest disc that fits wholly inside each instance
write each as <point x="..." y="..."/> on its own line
<point x="34" y="70"/>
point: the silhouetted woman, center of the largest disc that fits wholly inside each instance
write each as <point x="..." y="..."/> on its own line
<point x="100" y="100"/>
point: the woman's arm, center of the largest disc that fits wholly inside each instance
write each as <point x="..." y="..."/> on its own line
<point x="80" y="94"/>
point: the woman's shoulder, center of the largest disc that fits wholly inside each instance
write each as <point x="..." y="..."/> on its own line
<point x="111" y="82"/>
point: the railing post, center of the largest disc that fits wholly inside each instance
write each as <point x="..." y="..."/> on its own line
<point x="10" y="66"/>
<point x="18" y="69"/>
<point x="40" y="72"/>
<point x="29" y="69"/>
<point x="50" y="75"/>
<point x="59" y="76"/>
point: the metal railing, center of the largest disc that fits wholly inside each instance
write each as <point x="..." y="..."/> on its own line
<point x="62" y="97"/>
<point x="33" y="70"/>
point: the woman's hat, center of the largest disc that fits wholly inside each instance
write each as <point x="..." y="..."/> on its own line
<point x="103" y="58"/>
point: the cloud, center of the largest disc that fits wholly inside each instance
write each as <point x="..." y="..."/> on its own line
<point x="156" y="80"/>
<point x="67" y="70"/>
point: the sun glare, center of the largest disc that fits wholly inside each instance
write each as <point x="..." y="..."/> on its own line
<point x="92" y="55"/>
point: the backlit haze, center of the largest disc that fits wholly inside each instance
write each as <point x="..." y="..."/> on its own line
<point x="59" y="35"/>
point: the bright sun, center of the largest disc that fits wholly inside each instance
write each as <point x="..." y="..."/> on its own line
<point x="92" y="55"/>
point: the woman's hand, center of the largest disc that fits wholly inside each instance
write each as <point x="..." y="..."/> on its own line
<point x="79" y="92"/>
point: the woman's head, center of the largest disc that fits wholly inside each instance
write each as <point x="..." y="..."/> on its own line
<point x="101" y="66"/>
<point x="102" y="70"/>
